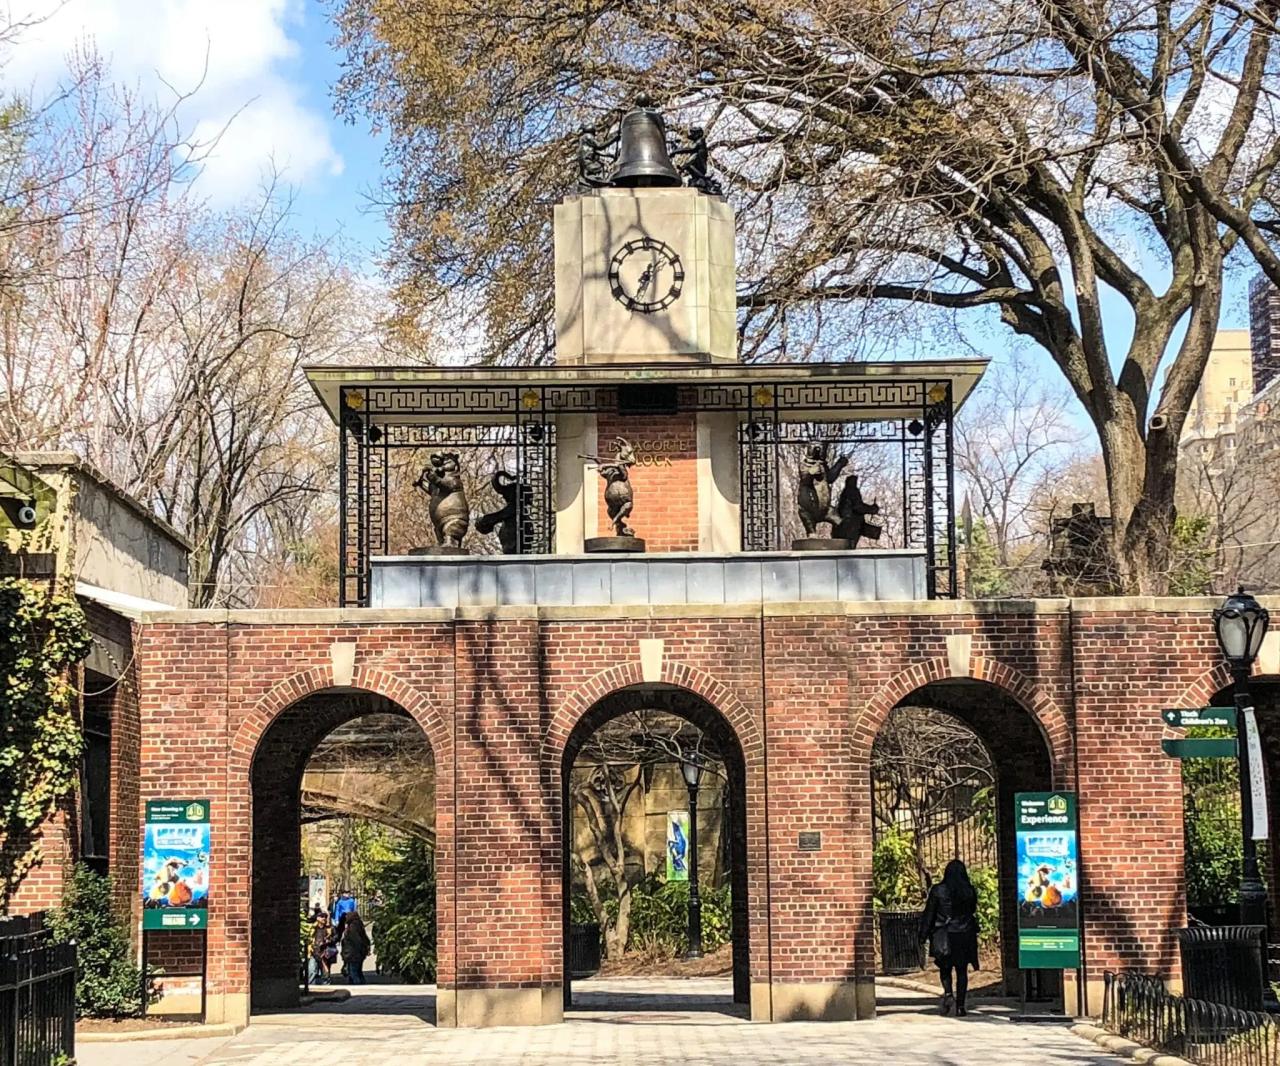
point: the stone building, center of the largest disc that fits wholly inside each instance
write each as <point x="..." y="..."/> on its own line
<point x="788" y="650"/>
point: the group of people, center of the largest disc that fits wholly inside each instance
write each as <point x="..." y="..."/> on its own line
<point x="343" y="931"/>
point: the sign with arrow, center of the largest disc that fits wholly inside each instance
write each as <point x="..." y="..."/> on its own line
<point x="1186" y="717"/>
<point x="175" y="865"/>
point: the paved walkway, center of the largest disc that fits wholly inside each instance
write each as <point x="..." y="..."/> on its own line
<point x="623" y="1021"/>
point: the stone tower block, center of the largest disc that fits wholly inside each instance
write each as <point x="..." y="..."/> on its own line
<point x="645" y="276"/>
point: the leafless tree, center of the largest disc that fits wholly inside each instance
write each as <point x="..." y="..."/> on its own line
<point x="926" y="767"/>
<point x="611" y="771"/>
<point x="1025" y="161"/>
<point x="162" y="341"/>
<point x="1013" y="440"/>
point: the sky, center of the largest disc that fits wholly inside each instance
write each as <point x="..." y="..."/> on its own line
<point x="263" y="72"/>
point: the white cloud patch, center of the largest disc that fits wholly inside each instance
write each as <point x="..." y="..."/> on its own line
<point x="234" y="55"/>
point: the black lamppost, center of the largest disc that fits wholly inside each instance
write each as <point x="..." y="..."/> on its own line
<point x="692" y="772"/>
<point x="1240" y="624"/>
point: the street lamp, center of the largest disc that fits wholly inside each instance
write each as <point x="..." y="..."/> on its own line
<point x="1240" y="624"/>
<point x="692" y="772"/>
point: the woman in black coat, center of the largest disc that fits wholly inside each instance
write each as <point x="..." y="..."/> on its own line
<point x="950" y="925"/>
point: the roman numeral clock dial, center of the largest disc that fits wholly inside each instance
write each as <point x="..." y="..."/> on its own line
<point x="646" y="275"/>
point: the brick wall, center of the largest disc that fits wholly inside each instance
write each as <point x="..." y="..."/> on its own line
<point x="665" y="479"/>
<point x="1065" y="695"/>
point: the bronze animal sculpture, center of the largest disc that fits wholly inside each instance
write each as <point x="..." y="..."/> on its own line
<point x="513" y="520"/>
<point x="618" y="495"/>
<point x="817" y="474"/>
<point x="852" y="510"/>
<point x="450" y="513"/>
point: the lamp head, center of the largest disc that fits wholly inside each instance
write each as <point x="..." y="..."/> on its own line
<point x="1240" y="625"/>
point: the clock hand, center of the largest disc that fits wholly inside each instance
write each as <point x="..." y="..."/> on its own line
<point x="645" y="278"/>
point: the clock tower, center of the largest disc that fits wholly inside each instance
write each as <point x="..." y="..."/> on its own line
<point x="644" y="263"/>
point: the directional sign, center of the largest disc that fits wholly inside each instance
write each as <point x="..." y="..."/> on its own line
<point x="1193" y="716"/>
<point x="174" y="918"/>
<point x="1200" y="749"/>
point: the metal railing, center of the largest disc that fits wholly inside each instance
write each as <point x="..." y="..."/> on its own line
<point x="37" y="995"/>
<point x="1139" y="1007"/>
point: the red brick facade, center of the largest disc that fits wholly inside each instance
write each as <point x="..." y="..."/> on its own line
<point x="1066" y="695"/>
<point x="665" y="477"/>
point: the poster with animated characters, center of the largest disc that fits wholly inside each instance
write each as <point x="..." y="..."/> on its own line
<point x="1048" y="880"/>
<point x="175" y="865"/>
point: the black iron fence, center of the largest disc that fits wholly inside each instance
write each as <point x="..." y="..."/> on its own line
<point x="37" y="995"/>
<point x="1139" y="1007"/>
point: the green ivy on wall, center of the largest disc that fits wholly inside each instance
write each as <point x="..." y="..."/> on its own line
<point x="43" y="635"/>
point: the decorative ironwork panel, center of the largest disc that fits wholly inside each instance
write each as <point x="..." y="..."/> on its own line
<point x="759" y="480"/>
<point x="940" y="489"/>
<point x="367" y="445"/>
<point x="871" y="395"/>
<point x="535" y="468"/>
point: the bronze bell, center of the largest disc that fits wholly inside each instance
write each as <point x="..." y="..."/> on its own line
<point x="642" y="150"/>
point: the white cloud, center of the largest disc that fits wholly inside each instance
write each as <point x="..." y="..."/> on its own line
<point x="234" y="54"/>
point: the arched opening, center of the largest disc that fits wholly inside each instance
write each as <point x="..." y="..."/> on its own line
<point x="1212" y="833"/>
<point x="353" y="773"/>
<point x="946" y="765"/>
<point x="632" y="742"/>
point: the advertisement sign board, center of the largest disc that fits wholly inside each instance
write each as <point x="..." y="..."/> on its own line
<point x="175" y="865"/>
<point x="677" y="845"/>
<point x="1048" y="880"/>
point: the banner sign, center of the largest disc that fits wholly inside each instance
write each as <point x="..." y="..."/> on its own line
<point x="677" y="845"/>
<point x="175" y="865"/>
<point x="1257" y="776"/>
<point x="1048" y="880"/>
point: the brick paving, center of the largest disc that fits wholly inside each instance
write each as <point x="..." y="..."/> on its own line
<point x="626" y="1021"/>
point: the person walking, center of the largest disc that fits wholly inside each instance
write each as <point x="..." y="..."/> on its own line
<point x="342" y="906"/>
<point x="320" y="930"/>
<point x="355" y="947"/>
<point x="950" y="925"/>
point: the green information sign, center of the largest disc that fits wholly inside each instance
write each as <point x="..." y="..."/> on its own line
<point x="1193" y="716"/>
<point x="1048" y="880"/>
<point x="1224" y="748"/>
<point x="175" y="865"/>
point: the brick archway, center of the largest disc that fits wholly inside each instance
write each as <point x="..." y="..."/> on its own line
<point x="305" y="683"/>
<point x="1042" y="708"/>
<point x="630" y="675"/>
<point x="712" y="707"/>
<point x="244" y="844"/>
<point x="1024" y="733"/>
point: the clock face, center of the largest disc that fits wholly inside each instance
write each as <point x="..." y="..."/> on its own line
<point x="646" y="275"/>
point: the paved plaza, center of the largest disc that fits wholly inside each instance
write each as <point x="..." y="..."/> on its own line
<point x="625" y="1021"/>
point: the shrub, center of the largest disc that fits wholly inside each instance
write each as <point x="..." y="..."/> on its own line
<point x="404" y="926"/>
<point x="895" y="878"/>
<point x="108" y="982"/>
<point x="660" y="915"/>
<point x="986" y="883"/>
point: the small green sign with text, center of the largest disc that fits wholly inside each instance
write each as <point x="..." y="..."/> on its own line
<point x="175" y="918"/>
<point x="1188" y="717"/>
<point x="1048" y="880"/>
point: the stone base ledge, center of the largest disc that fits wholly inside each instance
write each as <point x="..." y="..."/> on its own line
<point x="813" y="1001"/>
<point x="487" y="1008"/>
